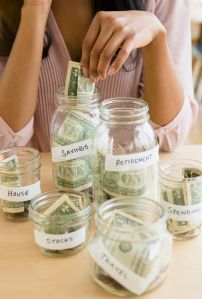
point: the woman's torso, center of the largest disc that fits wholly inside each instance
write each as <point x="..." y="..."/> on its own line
<point x="53" y="74"/>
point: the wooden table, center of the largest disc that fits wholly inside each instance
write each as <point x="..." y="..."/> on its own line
<point x="25" y="273"/>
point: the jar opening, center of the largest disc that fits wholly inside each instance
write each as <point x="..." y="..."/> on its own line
<point x="43" y="201"/>
<point x="144" y="210"/>
<point x="77" y="102"/>
<point x="25" y="157"/>
<point x="124" y="110"/>
<point x="176" y="170"/>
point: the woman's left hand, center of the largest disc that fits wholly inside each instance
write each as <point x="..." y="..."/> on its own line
<point x="113" y="31"/>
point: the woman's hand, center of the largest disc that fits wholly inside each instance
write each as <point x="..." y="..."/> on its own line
<point x="113" y="31"/>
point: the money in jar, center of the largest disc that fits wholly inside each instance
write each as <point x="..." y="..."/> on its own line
<point x="126" y="151"/>
<point x="61" y="222"/>
<point x="72" y="131"/>
<point x="181" y="196"/>
<point x="131" y="249"/>
<point x="19" y="180"/>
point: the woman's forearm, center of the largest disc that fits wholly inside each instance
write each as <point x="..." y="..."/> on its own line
<point x="162" y="87"/>
<point x="19" y="81"/>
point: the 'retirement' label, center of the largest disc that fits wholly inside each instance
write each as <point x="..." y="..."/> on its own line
<point x="133" y="161"/>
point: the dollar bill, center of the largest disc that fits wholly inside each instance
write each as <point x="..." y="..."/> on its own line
<point x="142" y="256"/>
<point x="76" y="82"/>
<point x="188" y="193"/>
<point x="65" y="205"/>
<point x="11" y="179"/>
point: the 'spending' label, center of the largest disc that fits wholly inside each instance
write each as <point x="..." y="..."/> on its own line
<point x="132" y="161"/>
<point x="60" y="242"/>
<point x="183" y="213"/>
<point x="19" y="194"/>
<point x="72" y="151"/>
<point x="119" y="272"/>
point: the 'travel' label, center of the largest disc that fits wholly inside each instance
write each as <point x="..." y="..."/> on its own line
<point x="183" y="213"/>
<point x="118" y="271"/>
<point x="60" y="242"/>
<point x="19" y="194"/>
<point x="133" y="161"/>
<point x="72" y="151"/>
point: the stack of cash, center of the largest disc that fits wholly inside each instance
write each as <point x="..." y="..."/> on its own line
<point x="77" y="127"/>
<point x="111" y="184"/>
<point x="143" y="255"/>
<point x="183" y="200"/>
<point x="12" y="209"/>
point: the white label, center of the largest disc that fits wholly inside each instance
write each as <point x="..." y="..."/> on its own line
<point x="72" y="151"/>
<point x="19" y="194"/>
<point x="60" y="242"/>
<point x="119" y="272"/>
<point x="183" y="213"/>
<point x="132" y="161"/>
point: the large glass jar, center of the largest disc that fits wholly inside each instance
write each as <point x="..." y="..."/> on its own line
<point x="181" y="196"/>
<point x="19" y="180"/>
<point x="126" y="151"/>
<point x="131" y="250"/>
<point x="72" y="132"/>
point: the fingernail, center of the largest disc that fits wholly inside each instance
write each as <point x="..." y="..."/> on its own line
<point x="85" y="71"/>
<point x="111" y="71"/>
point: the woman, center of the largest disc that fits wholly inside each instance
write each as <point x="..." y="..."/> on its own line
<point x="104" y="36"/>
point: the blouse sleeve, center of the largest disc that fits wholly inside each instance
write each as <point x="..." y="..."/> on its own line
<point x="8" y="137"/>
<point x="174" y="15"/>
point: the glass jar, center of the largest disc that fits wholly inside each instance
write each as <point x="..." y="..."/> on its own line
<point x="72" y="132"/>
<point x="61" y="222"/>
<point x="126" y="151"/>
<point x="131" y="250"/>
<point x="181" y="196"/>
<point x="19" y="180"/>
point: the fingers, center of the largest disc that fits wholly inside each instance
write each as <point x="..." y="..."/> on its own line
<point x="117" y="42"/>
<point x="98" y="48"/>
<point x="122" y="56"/>
<point x="105" y="36"/>
<point x="88" y="44"/>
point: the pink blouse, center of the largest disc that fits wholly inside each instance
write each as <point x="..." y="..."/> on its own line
<point x="174" y="15"/>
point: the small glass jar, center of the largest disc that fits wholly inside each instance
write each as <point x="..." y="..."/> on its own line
<point x="19" y="180"/>
<point x="72" y="132"/>
<point x="61" y="222"/>
<point x="181" y="196"/>
<point x="131" y="250"/>
<point x="126" y="151"/>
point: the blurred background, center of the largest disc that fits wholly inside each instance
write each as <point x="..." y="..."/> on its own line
<point x="195" y="136"/>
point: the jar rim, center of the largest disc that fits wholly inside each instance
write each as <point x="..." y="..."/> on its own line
<point x="38" y="217"/>
<point x="129" y="201"/>
<point x="68" y="101"/>
<point x="170" y="163"/>
<point x="124" y="109"/>
<point x="33" y="159"/>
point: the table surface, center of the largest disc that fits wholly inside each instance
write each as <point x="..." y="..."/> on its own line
<point x="25" y="273"/>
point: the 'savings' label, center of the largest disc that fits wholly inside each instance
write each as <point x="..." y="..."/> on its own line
<point x="133" y="161"/>
<point x="19" y="194"/>
<point x="72" y="151"/>
<point x="183" y="213"/>
<point x="60" y="242"/>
